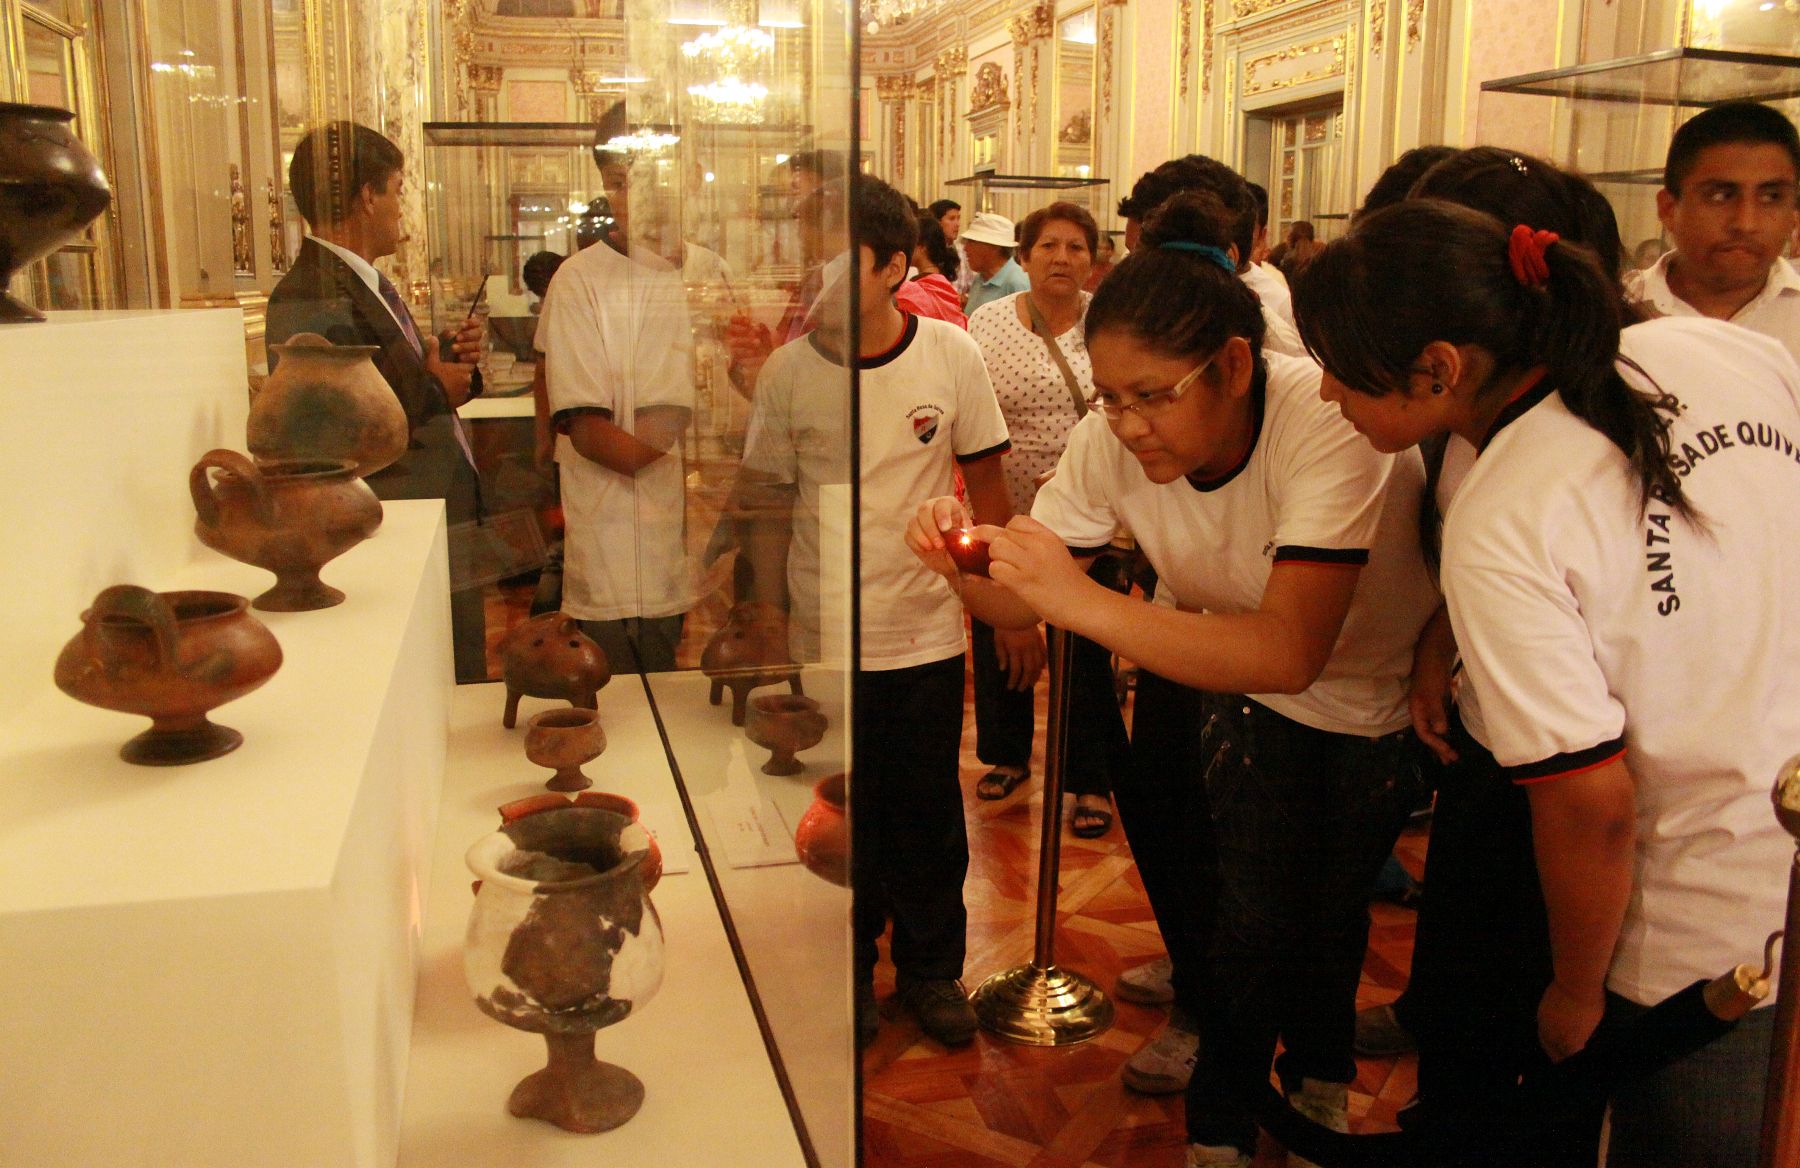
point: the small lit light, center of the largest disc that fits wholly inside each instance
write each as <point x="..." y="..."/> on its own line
<point x="709" y="176"/>
<point x="577" y="207"/>
<point x="780" y="158"/>
<point x="967" y="539"/>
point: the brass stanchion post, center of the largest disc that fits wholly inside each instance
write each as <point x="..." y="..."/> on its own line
<point x="1781" y="1122"/>
<point x="1040" y="1004"/>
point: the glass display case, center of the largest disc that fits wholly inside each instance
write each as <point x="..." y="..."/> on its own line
<point x="1615" y="118"/>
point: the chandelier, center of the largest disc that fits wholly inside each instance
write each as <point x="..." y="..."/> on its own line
<point x="642" y="140"/>
<point x="880" y="14"/>
<point x="724" y="64"/>
<point x="729" y="101"/>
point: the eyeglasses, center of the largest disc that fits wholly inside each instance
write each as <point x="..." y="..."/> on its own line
<point x="1147" y="405"/>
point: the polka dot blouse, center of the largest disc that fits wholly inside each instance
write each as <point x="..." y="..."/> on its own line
<point x="1039" y="409"/>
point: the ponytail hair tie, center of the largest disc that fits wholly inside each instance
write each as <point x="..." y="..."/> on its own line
<point x="1525" y="251"/>
<point x="1217" y="255"/>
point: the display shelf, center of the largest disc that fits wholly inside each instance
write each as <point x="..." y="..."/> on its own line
<point x="1679" y="77"/>
<point x="711" y="1096"/>
<point x="214" y="964"/>
<point x="792" y="925"/>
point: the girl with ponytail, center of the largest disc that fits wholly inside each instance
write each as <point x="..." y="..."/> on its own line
<point x="1273" y="760"/>
<point x="1613" y="566"/>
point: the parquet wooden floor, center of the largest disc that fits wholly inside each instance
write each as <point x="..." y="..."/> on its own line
<point x="996" y="1104"/>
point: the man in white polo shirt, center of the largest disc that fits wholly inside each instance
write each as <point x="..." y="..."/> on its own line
<point x="1728" y="202"/>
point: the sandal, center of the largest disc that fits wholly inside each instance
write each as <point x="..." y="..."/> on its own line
<point x="998" y="783"/>
<point x="1090" y="822"/>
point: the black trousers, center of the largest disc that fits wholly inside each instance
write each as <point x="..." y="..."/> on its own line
<point x="909" y="844"/>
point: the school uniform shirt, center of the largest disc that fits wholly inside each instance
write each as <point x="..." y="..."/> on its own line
<point x="1594" y="630"/>
<point x="1037" y="403"/>
<point x="1271" y="287"/>
<point x="1775" y="312"/>
<point x="617" y="339"/>
<point x="1310" y="489"/>
<point x="1279" y="336"/>
<point x="925" y="405"/>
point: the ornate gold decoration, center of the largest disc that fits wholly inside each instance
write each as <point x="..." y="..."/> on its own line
<point x="1078" y="130"/>
<point x="1206" y="46"/>
<point x="1108" y="34"/>
<point x="894" y="87"/>
<point x="990" y="87"/>
<point x="1184" y="37"/>
<point x="1415" y="23"/>
<point x="1377" y="25"/>
<point x="1243" y="8"/>
<point x="900" y="141"/>
<point x="1019" y="90"/>
<point x="1230" y="89"/>
<point x="278" y="252"/>
<point x="1333" y="67"/>
<point x="486" y="78"/>
<point x="243" y="252"/>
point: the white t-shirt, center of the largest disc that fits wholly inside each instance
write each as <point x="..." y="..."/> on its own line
<point x="1271" y="287"/>
<point x="1279" y="336"/>
<point x="1311" y="489"/>
<point x="1591" y="630"/>
<point x="1039" y="409"/>
<point x="616" y="339"/>
<point x="925" y="405"/>
<point x="1775" y="312"/>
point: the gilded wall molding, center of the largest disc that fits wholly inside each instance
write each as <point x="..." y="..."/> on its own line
<point x="1415" y="23"/>
<point x="1377" y="21"/>
<point x="1244" y="9"/>
<point x="990" y="88"/>
<point x="1206" y="46"/>
<point x="1184" y="36"/>
<point x="1256" y="79"/>
<point x="894" y="87"/>
<point x="1108" y="42"/>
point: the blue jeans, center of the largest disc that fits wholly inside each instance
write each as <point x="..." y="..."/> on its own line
<point x="1302" y="821"/>
<point x="1704" y="1111"/>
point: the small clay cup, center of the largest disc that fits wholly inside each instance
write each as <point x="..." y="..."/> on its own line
<point x="784" y="724"/>
<point x="563" y="740"/>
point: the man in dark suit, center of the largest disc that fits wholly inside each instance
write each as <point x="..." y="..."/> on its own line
<point x="347" y="181"/>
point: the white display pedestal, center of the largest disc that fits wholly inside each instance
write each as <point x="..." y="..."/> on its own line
<point x="211" y="964"/>
<point x="710" y="1094"/>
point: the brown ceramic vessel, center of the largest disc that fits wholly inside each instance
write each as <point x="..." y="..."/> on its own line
<point x="748" y="652"/>
<point x="326" y="401"/>
<point x="549" y="656"/>
<point x="51" y="188"/>
<point x="784" y="724"/>
<point x="636" y="838"/>
<point x="170" y="656"/>
<point x="563" y="740"/>
<point x="291" y="518"/>
<point x="822" y="837"/>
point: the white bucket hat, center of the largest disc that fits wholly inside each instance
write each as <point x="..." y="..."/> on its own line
<point x="993" y="229"/>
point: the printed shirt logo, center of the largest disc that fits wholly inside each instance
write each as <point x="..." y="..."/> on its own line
<point x="925" y="421"/>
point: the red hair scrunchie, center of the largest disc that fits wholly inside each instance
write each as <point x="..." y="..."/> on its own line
<point x="1525" y="250"/>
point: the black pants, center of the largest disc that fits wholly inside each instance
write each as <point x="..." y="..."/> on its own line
<point x="1302" y="819"/>
<point x="909" y="845"/>
<point x="637" y="644"/>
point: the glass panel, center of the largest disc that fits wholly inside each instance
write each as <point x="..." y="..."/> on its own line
<point x="49" y="79"/>
<point x="1075" y="38"/>
<point x="67" y="11"/>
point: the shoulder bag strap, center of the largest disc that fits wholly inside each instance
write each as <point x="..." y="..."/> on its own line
<point x="1056" y="354"/>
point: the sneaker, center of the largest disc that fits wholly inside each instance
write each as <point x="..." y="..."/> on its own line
<point x="1206" y="1155"/>
<point x="1164" y="1065"/>
<point x="1326" y="1104"/>
<point x="1380" y="1035"/>
<point x="1147" y="984"/>
<point x="942" y="1009"/>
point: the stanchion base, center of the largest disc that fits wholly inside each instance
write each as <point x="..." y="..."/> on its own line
<point x="1039" y="1006"/>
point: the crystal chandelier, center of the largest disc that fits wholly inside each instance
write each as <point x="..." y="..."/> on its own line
<point x="642" y="140"/>
<point x="880" y="14"/>
<point x="724" y="64"/>
<point x="729" y="101"/>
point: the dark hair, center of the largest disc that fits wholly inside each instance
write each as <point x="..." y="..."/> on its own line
<point x="1300" y="229"/>
<point x="333" y="163"/>
<point x="937" y="246"/>
<point x="1197" y="172"/>
<point x="827" y="164"/>
<point x="943" y="207"/>
<point x="1427" y="270"/>
<point x="1261" y="194"/>
<point x="1731" y="123"/>
<point x="539" y="269"/>
<point x="1176" y="301"/>
<point x="1034" y="224"/>
<point x="1517" y="188"/>
<point x="880" y="218"/>
<point x="1399" y="178"/>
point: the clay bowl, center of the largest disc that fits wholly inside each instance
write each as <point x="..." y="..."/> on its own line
<point x="822" y="837"/>
<point x="171" y="657"/>
<point x="784" y="724"/>
<point x="51" y="188"/>
<point x="563" y="740"/>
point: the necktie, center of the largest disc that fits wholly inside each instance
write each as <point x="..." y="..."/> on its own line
<point x="404" y="319"/>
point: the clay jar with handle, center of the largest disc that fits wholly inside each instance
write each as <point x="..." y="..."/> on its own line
<point x="291" y="518"/>
<point x="784" y="724"/>
<point x="748" y="652"/>
<point x="51" y="188"/>
<point x="170" y="656"/>
<point x="563" y="941"/>
<point x="822" y="837"/>
<point x="327" y="401"/>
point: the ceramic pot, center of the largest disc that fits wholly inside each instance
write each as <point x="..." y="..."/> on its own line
<point x="563" y="941"/>
<point x="291" y="518"/>
<point x="563" y="740"/>
<point x="326" y="401"/>
<point x="822" y="837"/>
<point x="170" y="656"/>
<point x="51" y="188"/>
<point x="636" y="838"/>
<point x="784" y="724"/>
<point x="748" y="652"/>
<point x="549" y="656"/>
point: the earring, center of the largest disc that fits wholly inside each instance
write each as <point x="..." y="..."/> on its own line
<point x="1437" y="387"/>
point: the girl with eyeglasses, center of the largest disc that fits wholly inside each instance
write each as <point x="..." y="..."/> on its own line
<point x="1275" y="762"/>
<point x="1617" y="564"/>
